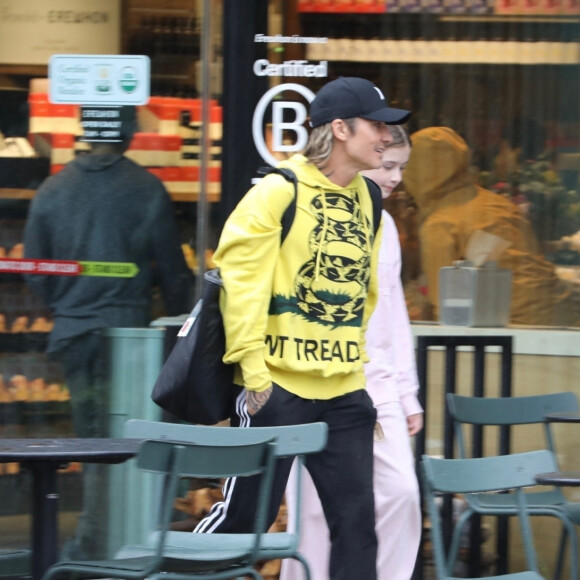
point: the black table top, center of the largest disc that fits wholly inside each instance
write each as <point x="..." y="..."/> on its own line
<point x="90" y="450"/>
<point x="563" y="417"/>
<point x="571" y="478"/>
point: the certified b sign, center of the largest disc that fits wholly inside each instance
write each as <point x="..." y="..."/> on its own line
<point x="288" y="135"/>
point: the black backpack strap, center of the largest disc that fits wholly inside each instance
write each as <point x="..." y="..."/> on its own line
<point x="290" y="212"/>
<point x="377" y="199"/>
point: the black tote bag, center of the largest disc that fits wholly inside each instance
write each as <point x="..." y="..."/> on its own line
<point x="194" y="384"/>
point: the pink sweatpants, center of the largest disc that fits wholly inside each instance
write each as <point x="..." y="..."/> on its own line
<point x="397" y="508"/>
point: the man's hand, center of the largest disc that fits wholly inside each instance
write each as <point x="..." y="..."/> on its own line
<point x="255" y="401"/>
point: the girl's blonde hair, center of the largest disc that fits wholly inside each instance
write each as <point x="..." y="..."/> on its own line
<point x="399" y="135"/>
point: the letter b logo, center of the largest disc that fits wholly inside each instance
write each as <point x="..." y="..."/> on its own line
<point x="279" y="127"/>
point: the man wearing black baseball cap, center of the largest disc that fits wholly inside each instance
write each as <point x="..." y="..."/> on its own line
<point x="348" y="97"/>
<point x="349" y="117"/>
<point x="295" y="313"/>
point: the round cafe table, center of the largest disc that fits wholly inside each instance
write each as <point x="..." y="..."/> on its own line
<point x="561" y="478"/>
<point x="42" y="458"/>
<point x="563" y="417"/>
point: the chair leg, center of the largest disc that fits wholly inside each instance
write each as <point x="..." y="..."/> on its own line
<point x="561" y="553"/>
<point x="573" y="543"/>
<point x="453" y="552"/>
<point x="570" y="537"/>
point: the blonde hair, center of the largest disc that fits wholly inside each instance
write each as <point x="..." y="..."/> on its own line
<point x="399" y="135"/>
<point x="321" y="141"/>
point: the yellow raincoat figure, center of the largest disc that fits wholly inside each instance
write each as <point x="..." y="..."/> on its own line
<point x="452" y="207"/>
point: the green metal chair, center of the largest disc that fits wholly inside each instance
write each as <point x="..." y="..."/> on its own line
<point x="472" y="478"/>
<point x="508" y="412"/>
<point x="291" y="441"/>
<point x="206" y="452"/>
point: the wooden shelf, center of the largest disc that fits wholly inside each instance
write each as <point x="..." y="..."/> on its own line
<point x="440" y="52"/>
<point x="8" y="193"/>
<point x="33" y="70"/>
<point x="193" y="196"/>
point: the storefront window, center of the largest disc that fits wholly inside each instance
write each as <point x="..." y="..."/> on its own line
<point x="177" y="138"/>
<point x="494" y="84"/>
<point x="502" y="78"/>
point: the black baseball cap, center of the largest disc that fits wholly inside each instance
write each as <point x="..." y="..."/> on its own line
<point x="348" y="97"/>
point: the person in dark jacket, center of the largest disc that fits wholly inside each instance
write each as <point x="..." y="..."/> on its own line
<point x="102" y="207"/>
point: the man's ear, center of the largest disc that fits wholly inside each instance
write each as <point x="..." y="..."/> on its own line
<point x="340" y="130"/>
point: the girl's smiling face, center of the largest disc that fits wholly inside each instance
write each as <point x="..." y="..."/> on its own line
<point x="390" y="174"/>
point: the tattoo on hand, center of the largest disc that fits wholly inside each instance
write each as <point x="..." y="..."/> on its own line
<point x="255" y="401"/>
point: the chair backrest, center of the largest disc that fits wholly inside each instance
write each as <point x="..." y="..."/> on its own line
<point x="507" y="411"/>
<point x="176" y="459"/>
<point x="481" y="475"/>
<point x="485" y="474"/>
<point x="290" y="439"/>
<point x="202" y="460"/>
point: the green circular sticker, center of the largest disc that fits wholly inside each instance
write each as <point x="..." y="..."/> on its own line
<point x="128" y="80"/>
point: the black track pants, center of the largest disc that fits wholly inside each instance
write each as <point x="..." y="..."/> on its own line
<point x="342" y="473"/>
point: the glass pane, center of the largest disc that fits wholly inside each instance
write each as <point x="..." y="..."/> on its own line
<point x="503" y="78"/>
<point x="111" y="263"/>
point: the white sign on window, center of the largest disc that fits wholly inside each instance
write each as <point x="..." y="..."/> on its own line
<point x="33" y="30"/>
<point x="99" y="79"/>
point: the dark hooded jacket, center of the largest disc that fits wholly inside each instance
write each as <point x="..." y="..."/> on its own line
<point x="105" y="208"/>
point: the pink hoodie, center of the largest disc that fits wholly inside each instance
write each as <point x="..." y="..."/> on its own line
<point x="391" y="373"/>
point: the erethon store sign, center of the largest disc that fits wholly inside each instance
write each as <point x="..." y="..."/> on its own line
<point x="32" y="31"/>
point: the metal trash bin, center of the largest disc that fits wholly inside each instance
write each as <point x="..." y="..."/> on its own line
<point x="135" y="357"/>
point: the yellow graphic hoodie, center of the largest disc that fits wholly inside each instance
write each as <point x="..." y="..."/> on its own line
<point x="295" y="312"/>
